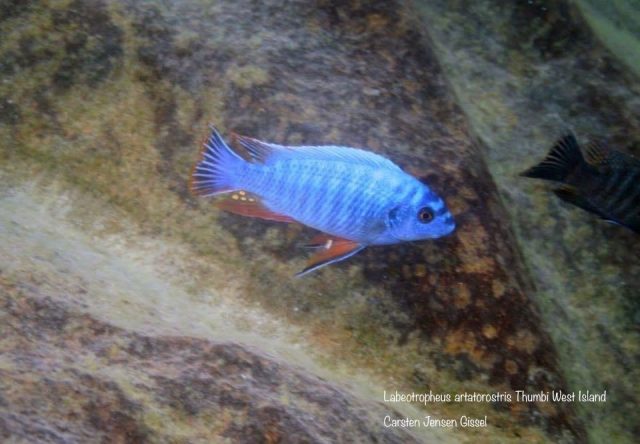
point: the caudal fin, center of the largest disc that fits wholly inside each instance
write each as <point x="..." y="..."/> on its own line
<point x="562" y="159"/>
<point x="215" y="171"/>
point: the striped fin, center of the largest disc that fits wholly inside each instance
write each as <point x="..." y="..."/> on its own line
<point x="598" y="154"/>
<point x="247" y="204"/>
<point x="259" y="151"/>
<point x="214" y="172"/>
<point x="562" y="159"/>
<point x="334" y="249"/>
<point x="263" y="152"/>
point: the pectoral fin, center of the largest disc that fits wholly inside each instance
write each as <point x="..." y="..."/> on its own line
<point x="247" y="204"/>
<point x="330" y="250"/>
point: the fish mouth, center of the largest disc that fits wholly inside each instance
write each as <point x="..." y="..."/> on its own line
<point x="445" y="229"/>
<point x="451" y="226"/>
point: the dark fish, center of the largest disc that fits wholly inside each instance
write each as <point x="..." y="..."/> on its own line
<point x="602" y="181"/>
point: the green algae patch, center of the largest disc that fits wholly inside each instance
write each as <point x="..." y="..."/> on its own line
<point x="247" y="76"/>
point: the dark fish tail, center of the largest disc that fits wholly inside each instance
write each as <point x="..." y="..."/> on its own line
<point x="563" y="158"/>
<point x="216" y="170"/>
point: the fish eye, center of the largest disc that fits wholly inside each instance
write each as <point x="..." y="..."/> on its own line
<point x="425" y="215"/>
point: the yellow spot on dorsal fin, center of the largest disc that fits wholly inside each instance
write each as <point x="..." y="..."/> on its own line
<point x="234" y="196"/>
<point x="242" y="193"/>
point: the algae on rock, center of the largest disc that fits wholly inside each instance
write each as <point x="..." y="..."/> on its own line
<point x="105" y="125"/>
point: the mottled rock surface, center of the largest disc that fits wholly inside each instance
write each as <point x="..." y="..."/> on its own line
<point x="117" y="282"/>
<point x="66" y="377"/>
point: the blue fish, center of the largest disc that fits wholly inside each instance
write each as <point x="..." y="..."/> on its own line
<point x="354" y="197"/>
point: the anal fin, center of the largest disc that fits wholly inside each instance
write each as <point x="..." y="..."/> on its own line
<point x="330" y="250"/>
<point x="247" y="204"/>
<point x="320" y="240"/>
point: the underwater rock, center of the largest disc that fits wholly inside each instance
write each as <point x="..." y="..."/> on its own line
<point x="468" y="293"/>
<point x="449" y="315"/>
<point x="537" y="72"/>
<point x="67" y="377"/>
<point x="617" y="25"/>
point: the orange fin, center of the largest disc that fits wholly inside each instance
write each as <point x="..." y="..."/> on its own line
<point x="331" y="249"/>
<point x="247" y="204"/>
<point x="597" y="154"/>
<point x="320" y="240"/>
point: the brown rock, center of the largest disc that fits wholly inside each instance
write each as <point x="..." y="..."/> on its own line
<point x="66" y="377"/>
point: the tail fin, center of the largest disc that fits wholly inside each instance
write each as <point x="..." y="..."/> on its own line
<point x="214" y="173"/>
<point x="562" y="159"/>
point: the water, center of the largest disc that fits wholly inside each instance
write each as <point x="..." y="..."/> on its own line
<point x="118" y="284"/>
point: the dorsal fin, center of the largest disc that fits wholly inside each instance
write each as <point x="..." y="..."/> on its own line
<point x="596" y="153"/>
<point x="268" y="152"/>
<point x="260" y="152"/>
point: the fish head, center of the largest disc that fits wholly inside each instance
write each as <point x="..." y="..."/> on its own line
<point x="424" y="216"/>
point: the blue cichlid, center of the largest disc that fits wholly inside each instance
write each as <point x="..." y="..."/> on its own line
<point x="355" y="197"/>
